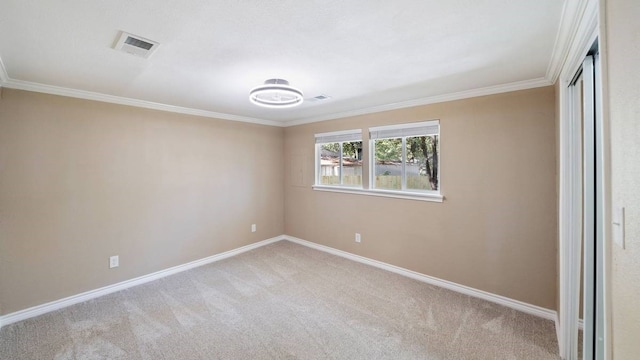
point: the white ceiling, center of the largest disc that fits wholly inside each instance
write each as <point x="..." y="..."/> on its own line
<point x="365" y="54"/>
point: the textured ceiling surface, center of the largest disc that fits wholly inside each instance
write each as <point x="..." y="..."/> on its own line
<point x="361" y="53"/>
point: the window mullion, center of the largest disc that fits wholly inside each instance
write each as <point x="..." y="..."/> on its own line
<point x="372" y="164"/>
<point x="341" y="172"/>
<point x="404" y="160"/>
<point x="318" y="164"/>
<point x="383" y="176"/>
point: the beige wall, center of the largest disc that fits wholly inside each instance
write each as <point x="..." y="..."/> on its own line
<point x="496" y="229"/>
<point x="623" y="57"/>
<point x="83" y="180"/>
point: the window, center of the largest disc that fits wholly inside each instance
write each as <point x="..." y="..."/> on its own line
<point x="405" y="157"/>
<point x="339" y="158"/>
<point x="403" y="162"/>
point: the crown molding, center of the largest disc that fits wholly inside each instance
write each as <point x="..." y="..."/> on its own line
<point x="489" y="90"/>
<point x="89" y="95"/>
<point x="6" y="81"/>
<point x="587" y="32"/>
<point x="572" y="23"/>
<point x="578" y="17"/>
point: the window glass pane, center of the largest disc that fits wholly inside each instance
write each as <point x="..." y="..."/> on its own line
<point x="388" y="164"/>
<point x="422" y="162"/>
<point x="352" y="163"/>
<point x="330" y="164"/>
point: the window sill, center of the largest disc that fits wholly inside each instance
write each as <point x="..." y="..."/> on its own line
<point x="383" y="193"/>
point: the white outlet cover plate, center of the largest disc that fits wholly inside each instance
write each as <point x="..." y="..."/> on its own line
<point x="114" y="261"/>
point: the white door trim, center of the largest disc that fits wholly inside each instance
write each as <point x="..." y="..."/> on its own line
<point x="570" y="182"/>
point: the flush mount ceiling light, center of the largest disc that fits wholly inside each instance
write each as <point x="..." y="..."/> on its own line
<point x="276" y="93"/>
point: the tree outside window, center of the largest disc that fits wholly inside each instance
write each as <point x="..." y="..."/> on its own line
<point x="406" y="157"/>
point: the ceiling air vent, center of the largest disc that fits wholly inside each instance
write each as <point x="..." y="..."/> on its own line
<point x="135" y="45"/>
<point x="320" y="97"/>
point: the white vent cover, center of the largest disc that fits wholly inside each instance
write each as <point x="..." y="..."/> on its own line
<point x="320" y="97"/>
<point x="136" y="45"/>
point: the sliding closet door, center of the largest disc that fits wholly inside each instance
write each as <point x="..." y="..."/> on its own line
<point x="589" y="206"/>
<point x="600" y="219"/>
<point x="576" y="192"/>
<point x="586" y="90"/>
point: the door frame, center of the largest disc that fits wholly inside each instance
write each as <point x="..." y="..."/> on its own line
<point x="570" y="185"/>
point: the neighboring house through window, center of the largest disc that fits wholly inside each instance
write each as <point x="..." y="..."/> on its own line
<point x="403" y="162"/>
<point x="339" y="158"/>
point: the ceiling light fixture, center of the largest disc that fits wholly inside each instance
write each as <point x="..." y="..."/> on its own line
<point x="276" y="93"/>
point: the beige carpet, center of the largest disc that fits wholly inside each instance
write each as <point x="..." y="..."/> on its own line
<point x="282" y="301"/>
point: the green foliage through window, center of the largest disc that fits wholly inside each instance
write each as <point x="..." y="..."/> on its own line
<point x="420" y="163"/>
<point x="341" y="167"/>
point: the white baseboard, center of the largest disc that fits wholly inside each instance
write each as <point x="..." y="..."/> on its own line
<point x="498" y="299"/>
<point x="92" y="294"/>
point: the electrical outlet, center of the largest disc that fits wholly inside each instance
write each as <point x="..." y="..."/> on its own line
<point x="114" y="261"/>
<point x="253" y="227"/>
<point x="358" y="238"/>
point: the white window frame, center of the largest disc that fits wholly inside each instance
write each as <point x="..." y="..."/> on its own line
<point x="342" y="136"/>
<point x="402" y="131"/>
<point x="330" y="138"/>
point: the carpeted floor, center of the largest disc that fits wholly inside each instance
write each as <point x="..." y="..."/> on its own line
<point x="282" y="301"/>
